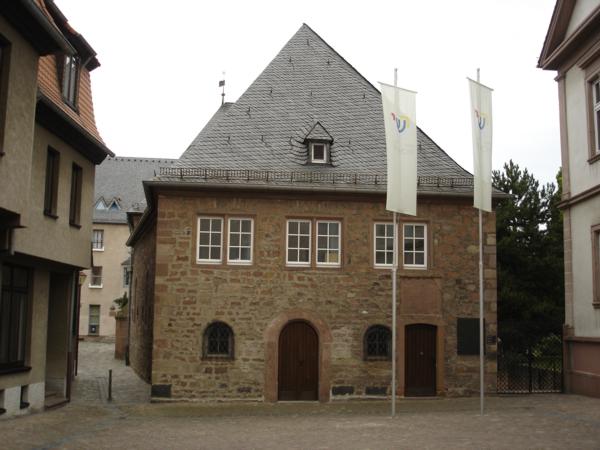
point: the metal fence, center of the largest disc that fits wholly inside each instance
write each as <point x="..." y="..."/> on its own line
<point x="535" y="368"/>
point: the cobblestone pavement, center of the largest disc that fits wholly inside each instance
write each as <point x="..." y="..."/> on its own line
<point x="131" y="422"/>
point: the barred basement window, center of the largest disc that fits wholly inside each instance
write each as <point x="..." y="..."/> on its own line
<point x="378" y="342"/>
<point x="218" y="340"/>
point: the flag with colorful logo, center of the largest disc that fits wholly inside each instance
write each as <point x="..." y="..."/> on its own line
<point x="399" y="113"/>
<point x="481" y="125"/>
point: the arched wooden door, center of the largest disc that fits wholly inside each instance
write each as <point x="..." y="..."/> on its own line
<point x="420" y="360"/>
<point x="298" y="362"/>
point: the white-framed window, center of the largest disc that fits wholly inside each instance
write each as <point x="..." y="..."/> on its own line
<point x="329" y="235"/>
<point x="415" y="246"/>
<point x="383" y="248"/>
<point x="210" y="240"/>
<point x="596" y="112"/>
<point x="126" y="276"/>
<point x="94" y="320"/>
<point x="318" y="152"/>
<point x="298" y="242"/>
<point x="240" y="241"/>
<point x="96" y="277"/>
<point x="98" y="240"/>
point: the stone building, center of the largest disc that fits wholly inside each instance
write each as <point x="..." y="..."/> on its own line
<point x="261" y="267"/>
<point x="572" y="48"/>
<point x="49" y="147"/>
<point x="118" y="188"/>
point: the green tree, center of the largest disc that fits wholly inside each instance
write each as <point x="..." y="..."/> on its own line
<point x="529" y="257"/>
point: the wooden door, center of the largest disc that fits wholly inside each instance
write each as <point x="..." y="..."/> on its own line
<point x="298" y="362"/>
<point x="420" y="360"/>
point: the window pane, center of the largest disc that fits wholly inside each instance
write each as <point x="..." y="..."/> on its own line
<point x="333" y="243"/>
<point x="597" y="91"/>
<point x="293" y="227"/>
<point x="204" y="239"/>
<point x="419" y="231"/>
<point x="204" y="224"/>
<point x="293" y="241"/>
<point x="234" y="253"/>
<point x="334" y="257"/>
<point x="408" y="231"/>
<point x="304" y="227"/>
<point x="408" y="258"/>
<point x="203" y="253"/>
<point x="322" y="242"/>
<point x="420" y="258"/>
<point x="379" y="244"/>
<point x="380" y="230"/>
<point x="246" y="240"/>
<point x="304" y="242"/>
<point x="246" y="226"/>
<point x="234" y="225"/>
<point x="215" y="239"/>
<point x="293" y="255"/>
<point x="322" y="256"/>
<point x="215" y="252"/>
<point x="322" y="228"/>
<point x="420" y="245"/>
<point x="389" y="258"/>
<point x="234" y="239"/>
<point x="303" y="255"/>
<point x="380" y="257"/>
<point x="245" y="254"/>
<point x="389" y="244"/>
<point x="389" y="230"/>
<point x="318" y="151"/>
<point x="334" y="228"/>
<point x="216" y="224"/>
<point x="408" y="245"/>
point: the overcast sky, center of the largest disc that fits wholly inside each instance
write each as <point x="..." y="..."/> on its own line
<point x="161" y="62"/>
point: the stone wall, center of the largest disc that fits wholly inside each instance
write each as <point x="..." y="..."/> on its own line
<point x="121" y="323"/>
<point x="341" y="303"/>
<point x="142" y="304"/>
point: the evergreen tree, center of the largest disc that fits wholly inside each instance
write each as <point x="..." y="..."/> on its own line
<point x="529" y="257"/>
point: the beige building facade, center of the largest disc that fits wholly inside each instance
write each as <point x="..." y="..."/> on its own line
<point x="49" y="147"/>
<point x="572" y="48"/>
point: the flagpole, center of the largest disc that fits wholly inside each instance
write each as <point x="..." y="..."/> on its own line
<point x="481" y="343"/>
<point x="394" y="272"/>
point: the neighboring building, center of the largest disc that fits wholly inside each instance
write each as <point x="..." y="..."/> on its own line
<point x="261" y="267"/>
<point x="49" y="146"/>
<point x="572" y="48"/>
<point x="118" y="189"/>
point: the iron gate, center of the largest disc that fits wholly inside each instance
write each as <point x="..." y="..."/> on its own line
<point x="534" y="368"/>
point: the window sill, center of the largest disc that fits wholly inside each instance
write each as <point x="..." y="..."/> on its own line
<point x="11" y="370"/>
<point x="594" y="159"/>
<point x="98" y="249"/>
<point x="99" y="286"/>
<point x="215" y="358"/>
<point x="51" y="215"/>
<point x="596" y="305"/>
<point x="377" y="358"/>
<point x="75" y="225"/>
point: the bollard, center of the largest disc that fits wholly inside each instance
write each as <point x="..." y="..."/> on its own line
<point x="109" y="385"/>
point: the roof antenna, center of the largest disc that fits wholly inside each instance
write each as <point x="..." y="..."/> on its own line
<point x="222" y="85"/>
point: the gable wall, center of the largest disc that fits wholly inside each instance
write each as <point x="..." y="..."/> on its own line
<point x="346" y="301"/>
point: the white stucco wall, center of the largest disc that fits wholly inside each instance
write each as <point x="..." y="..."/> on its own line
<point x="587" y="318"/>
<point x="583" y="175"/>
<point x="582" y="9"/>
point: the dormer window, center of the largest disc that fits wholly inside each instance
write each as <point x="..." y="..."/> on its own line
<point x="319" y="153"/>
<point x="70" y="79"/>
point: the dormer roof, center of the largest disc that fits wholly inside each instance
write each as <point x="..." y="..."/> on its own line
<point x="318" y="133"/>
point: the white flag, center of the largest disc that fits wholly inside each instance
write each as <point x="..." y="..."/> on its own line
<point x="399" y="113"/>
<point x="481" y="125"/>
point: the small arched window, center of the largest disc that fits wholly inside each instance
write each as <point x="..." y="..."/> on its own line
<point x="218" y="341"/>
<point x="378" y="342"/>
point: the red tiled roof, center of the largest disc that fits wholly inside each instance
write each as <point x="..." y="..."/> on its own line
<point x="49" y="86"/>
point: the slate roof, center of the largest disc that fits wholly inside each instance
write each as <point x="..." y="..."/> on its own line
<point x="307" y="87"/>
<point x="121" y="178"/>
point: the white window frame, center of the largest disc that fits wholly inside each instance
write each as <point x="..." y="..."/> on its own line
<point x="287" y="243"/>
<point x="92" y="276"/>
<point x="325" y="153"/>
<point x="209" y="261"/>
<point x="339" y="249"/>
<point x="99" y="249"/>
<point x="241" y="262"/>
<point x="596" y="113"/>
<point x="414" y="252"/>
<point x="375" y="263"/>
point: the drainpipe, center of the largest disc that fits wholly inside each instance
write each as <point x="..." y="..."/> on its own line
<point x="129" y="307"/>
